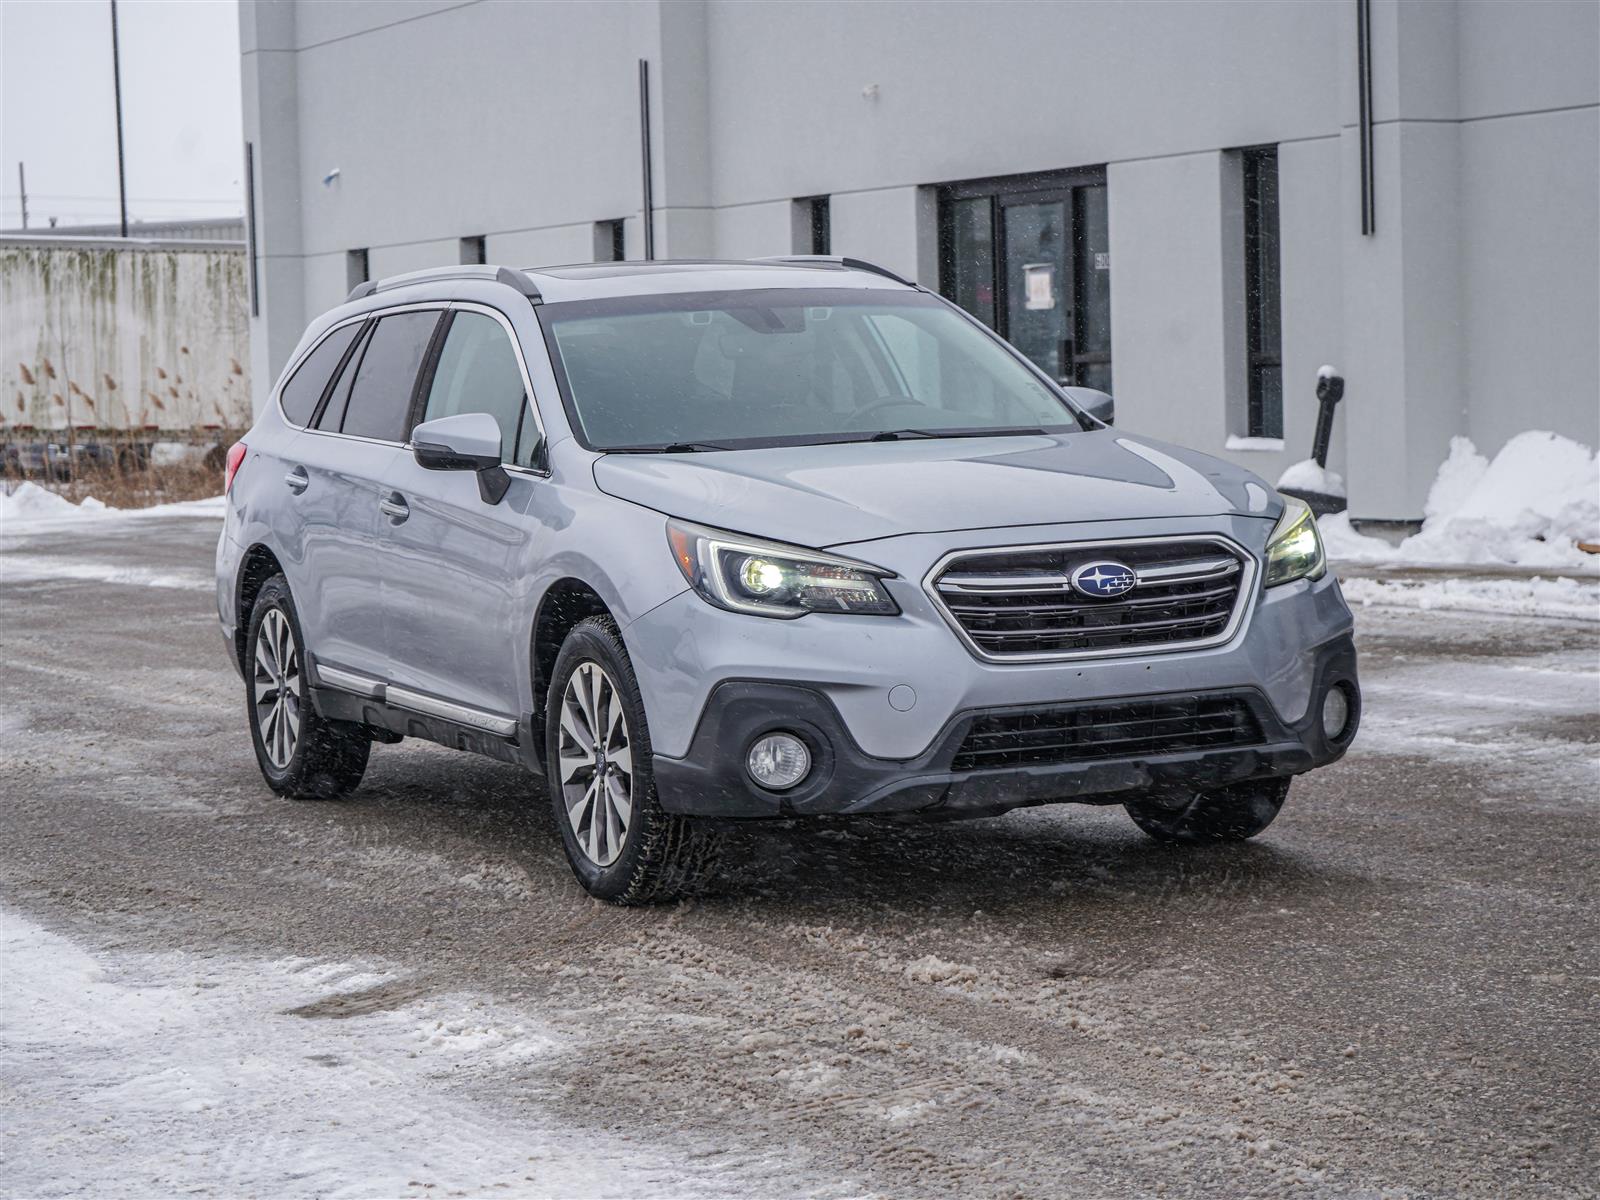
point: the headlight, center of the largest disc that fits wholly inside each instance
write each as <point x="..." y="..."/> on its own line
<point x="1294" y="551"/>
<point x="773" y="580"/>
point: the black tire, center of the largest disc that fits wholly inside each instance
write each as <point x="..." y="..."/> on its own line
<point x="1226" y="814"/>
<point x="326" y="760"/>
<point x="663" y="857"/>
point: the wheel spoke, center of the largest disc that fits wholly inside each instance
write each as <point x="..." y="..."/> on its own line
<point x="267" y="655"/>
<point x="571" y="725"/>
<point x="283" y="732"/>
<point x="621" y="804"/>
<point x="585" y="699"/>
<point x="285" y="646"/>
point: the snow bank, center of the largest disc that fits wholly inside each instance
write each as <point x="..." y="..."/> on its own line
<point x="31" y="505"/>
<point x="1306" y="476"/>
<point x="1572" y="599"/>
<point x="1529" y="507"/>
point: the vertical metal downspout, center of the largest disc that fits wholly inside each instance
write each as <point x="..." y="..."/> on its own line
<point x="644" y="145"/>
<point x="1369" y="204"/>
<point x="250" y="225"/>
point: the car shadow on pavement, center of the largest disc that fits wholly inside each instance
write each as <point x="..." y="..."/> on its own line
<point x="1055" y="856"/>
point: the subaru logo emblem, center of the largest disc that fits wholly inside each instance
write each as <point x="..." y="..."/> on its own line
<point x="1104" y="580"/>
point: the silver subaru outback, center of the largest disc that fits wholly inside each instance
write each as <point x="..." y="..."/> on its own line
<point x="706" y="542"/>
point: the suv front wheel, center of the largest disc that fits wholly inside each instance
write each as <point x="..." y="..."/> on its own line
<point x="300" y="754"/>
<point x="622" y="845"/>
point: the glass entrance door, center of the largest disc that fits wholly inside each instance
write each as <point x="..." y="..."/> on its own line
<point x="1034" y="263"/>
<point x="1038" y="282"/>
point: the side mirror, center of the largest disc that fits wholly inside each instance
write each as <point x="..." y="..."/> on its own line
<point x="1098" y="405"/>
<point x="465" y="442"/>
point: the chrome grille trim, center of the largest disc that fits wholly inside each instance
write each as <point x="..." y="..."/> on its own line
<point x="1235" y="569"/>
<point x="1182" y="572"/>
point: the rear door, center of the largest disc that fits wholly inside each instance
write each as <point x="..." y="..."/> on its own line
<point x="457" y="607"/>
<point x="336" y="470"/>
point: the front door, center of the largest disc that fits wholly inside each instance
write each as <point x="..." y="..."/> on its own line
<point x="455" y="603"/>
<point x="1034" y="263"/>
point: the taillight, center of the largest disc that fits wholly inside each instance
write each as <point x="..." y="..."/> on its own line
<point x="236" y="453"/>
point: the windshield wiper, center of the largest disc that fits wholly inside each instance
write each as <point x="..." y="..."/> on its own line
<point x="669" y="448"/>
<point x="895" y="435"/>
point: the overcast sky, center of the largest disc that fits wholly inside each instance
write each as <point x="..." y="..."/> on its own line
<point x="180" y="109"/>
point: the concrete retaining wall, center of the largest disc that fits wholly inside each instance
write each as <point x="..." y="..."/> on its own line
<point x="123" y="335"/>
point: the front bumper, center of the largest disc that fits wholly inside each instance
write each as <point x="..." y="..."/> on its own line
<point x="711" y="781"/>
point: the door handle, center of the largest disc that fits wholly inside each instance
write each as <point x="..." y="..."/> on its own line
<point x="297" y="480"/>
<point x="394" y="507"/>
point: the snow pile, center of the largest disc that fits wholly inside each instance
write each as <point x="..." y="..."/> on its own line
<point x="30" y="502"/>
<point x="31" y="505"/>
<point x="1529" y="507"/>
<point x="1307" y="476"/>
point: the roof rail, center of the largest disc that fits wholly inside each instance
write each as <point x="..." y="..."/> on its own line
<point x="836" y="260"/>
<point x="513" y="279"/>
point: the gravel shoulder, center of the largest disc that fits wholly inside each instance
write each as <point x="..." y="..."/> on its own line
<point x="1392" y="992"/>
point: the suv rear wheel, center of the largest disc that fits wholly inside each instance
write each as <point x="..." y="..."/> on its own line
<point x="1225" y="814"/>
<point x="300" y="754"/>
<point x="622" y="845"/>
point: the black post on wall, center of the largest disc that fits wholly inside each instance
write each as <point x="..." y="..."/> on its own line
<point x="1330" y="390"/>
<point x="644" y="144"/>
<point x="116" y="85"/>
<point x="1369" y="202"/>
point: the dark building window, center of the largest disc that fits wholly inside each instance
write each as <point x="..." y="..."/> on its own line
<point x="821" y="225"/>
<point x="355" y="267"/>
<point x="474" y="250"/>
<point x="608" y="241"/>
<point x="1263" y="292"/>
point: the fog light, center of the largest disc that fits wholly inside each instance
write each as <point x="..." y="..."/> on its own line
<point x="1335" y="713"/>
<point x="778" y="761"/>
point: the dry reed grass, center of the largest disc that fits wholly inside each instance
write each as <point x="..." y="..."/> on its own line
<point x="136" y="486"/>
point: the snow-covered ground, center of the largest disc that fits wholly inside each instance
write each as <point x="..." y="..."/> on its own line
<point x="138" y="1074"/>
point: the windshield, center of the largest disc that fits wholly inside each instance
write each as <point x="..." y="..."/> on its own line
<point x="725" y="370"/>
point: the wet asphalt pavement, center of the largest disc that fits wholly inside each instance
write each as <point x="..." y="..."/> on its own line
<point x="1391" y="992"/>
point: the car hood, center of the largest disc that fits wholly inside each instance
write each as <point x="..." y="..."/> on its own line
<point x="832" y="494"/>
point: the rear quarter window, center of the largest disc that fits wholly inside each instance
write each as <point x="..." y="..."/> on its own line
<point x="380" y="398"/>
<point x="305" y="387"/>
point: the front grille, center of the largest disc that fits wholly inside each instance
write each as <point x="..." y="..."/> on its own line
<point x="1128" y="729"/>
<point x="1020" y="603"/>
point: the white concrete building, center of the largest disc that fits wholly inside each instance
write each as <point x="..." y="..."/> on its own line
<point x="1195" y="204"/>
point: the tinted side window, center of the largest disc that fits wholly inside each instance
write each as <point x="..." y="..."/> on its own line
<point x="332" y="414"/>
<point x="304" y="389"/>
<point x="478" y="372"/>
<point x="380" y="396"/>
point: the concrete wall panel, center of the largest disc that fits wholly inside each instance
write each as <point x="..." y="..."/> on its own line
<point x="126" y="339"/>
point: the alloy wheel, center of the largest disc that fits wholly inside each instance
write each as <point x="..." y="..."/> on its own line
<point x="595" y="754"/>
<point x="277" y="687"/>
